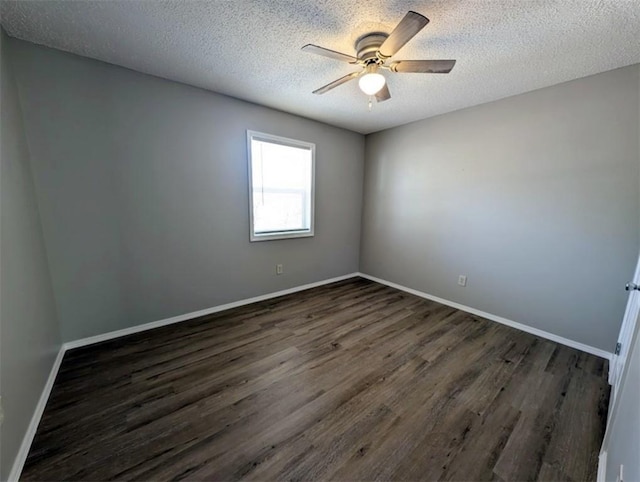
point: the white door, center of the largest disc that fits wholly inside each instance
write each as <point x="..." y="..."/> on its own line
<point x="626" y="331"/>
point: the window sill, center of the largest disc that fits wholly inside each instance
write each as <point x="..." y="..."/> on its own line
<point x="281" y="235"/>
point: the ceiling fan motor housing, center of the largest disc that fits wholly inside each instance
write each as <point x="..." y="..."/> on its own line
<point x="368" y="46"/>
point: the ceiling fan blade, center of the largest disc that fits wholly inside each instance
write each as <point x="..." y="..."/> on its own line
<point x="338" y="82"/>
<point x="383" y="94"/>
<point x="408" y="27"/>
<point x="332" y="54"/>
<point x="422" y="66"/>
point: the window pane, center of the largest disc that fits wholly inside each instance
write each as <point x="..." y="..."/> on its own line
<point x="278" y="211"/>
<point x="281" y="187"/>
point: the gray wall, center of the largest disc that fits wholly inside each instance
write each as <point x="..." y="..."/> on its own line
<point x="29" y="332"/>
<point x="534" y="198"/>
<point x="142" y="185"/>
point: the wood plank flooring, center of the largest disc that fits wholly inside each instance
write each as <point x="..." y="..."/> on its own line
<point x="349" y="381"/>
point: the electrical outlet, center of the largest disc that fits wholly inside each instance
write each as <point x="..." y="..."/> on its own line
<point x="279" y="269"/>
<point x="462" y="280"/>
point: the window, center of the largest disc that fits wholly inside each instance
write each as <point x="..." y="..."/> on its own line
<point x="281" y="178"/>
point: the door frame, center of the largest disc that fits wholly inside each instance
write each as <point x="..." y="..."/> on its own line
<point x="631" y="314"/>
<point x="617" y="365"/>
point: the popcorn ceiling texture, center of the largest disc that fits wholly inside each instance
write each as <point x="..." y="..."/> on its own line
<point x="250" y="49"/>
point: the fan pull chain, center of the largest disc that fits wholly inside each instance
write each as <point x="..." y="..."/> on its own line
<point x="370" y="102"/>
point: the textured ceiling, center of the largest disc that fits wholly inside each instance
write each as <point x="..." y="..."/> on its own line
<point x="250" y="49"/>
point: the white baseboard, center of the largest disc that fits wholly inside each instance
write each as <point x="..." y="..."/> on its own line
<point x="21" y="457"/>
<point x="529" y="329"/>
<point x="195" y="314"/>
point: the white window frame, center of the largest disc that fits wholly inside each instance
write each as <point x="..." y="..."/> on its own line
<point x="261" y="136"/>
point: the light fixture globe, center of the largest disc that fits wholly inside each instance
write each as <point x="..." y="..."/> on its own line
<point x="371" y="84"/>
<point x="372" y="81"/>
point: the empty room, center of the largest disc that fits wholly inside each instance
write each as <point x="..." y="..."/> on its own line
<point x="320" y="240"/>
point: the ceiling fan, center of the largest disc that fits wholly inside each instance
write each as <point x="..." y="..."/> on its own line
<point x="373" y="53"/>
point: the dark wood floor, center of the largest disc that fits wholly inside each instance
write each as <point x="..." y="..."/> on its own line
<point x="350" y="381"/>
